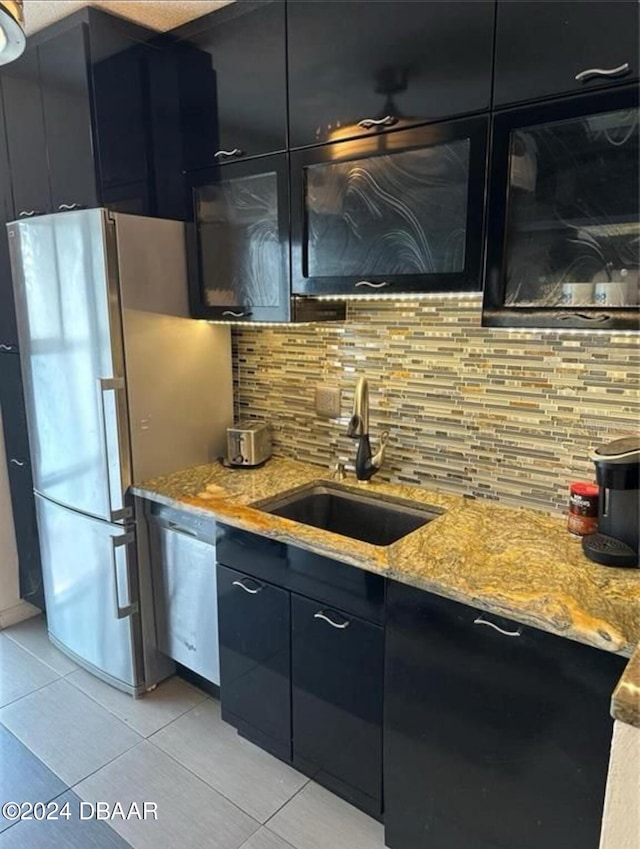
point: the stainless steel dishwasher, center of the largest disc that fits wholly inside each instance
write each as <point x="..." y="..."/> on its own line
<point x="183" y="558"/>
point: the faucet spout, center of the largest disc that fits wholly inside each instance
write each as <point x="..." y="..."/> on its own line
<point x="367" y="464"/>
<point x="359" y="422"/>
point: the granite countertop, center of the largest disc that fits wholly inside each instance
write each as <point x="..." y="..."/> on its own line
<point x="517" y="563"/>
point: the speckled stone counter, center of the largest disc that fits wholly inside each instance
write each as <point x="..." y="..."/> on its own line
<point x="515" y="563"/>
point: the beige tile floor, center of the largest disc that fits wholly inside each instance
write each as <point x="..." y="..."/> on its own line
<point x="213" y="788"/>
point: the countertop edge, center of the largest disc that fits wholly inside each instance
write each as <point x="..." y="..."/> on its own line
<point x="625" y="701"/>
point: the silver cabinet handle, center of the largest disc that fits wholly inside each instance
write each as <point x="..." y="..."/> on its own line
<point x="246" y="588"/>
<point x="372" y="285"/>
<point x="67" y="207"/>
<point x="620" y="71"/>
<point x="28" y="213"/>
<point x="221" y="154"/>
<point x="6" y="347"/>
<point x="236" y="314"/>
<point x="17" y="462"/>
<point x="322" y="615"/>
<point x="116" y="544"/>
<point x="480" y="621"/>
<point x="370" y="123"/>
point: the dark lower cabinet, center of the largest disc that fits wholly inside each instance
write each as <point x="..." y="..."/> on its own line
<point x="18" y="462"/>
<point x="255" y="654"/>
<point x="336" y="680"/>
<point x="496" y="735"/>
<point x="299" y="676"/>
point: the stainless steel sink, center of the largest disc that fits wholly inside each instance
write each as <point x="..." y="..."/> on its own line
<point x="375" y="519"/>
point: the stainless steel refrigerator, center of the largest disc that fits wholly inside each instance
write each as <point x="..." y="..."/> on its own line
<point x="120" y="386"/>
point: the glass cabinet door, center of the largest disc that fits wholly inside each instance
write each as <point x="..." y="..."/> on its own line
<point x="396" y="212"/>
<point x="564" y="241"/>
<point x="239" y="264"/>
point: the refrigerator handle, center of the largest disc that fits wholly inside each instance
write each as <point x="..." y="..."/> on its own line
<point x="115" y="385"/>
<point x="118" y="543"/>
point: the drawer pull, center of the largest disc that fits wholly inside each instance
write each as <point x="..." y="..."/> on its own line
<point x="371" y="285"/>
<point x="17" y="462"/>
<point x="322" y="615"/>
<point x="236" y="314"/>
<point x="69" y="207"/>
<point x="221" y="154"/>
<point x="372" y="123"/>
<point x="6" y="348"/>
<point x="481" y="621"/>
<point x="248" y="589"/>
<point x="620" y="71"/>
<point x="29" y="213"/>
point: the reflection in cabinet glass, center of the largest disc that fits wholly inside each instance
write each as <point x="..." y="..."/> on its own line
<point x="240" y="249"/>
<point x="573" y="232"/>
<point x="404" y="213"/>
<point x="400" y="211"/>
<point x="563" y="245"/>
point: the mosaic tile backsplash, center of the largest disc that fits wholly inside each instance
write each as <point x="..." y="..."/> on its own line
<point x="509" y="415"/>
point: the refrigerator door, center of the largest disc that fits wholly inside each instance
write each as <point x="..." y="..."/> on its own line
<point x="65" y="280"/>
<point x="88" y="568"/>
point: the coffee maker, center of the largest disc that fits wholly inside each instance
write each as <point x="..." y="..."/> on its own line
<point x="617" y="542"/>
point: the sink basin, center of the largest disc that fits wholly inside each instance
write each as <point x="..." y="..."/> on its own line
<point x="371" y="518"/>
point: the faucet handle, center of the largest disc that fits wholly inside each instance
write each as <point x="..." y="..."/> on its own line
<point x="378" y="459"/>
<point x="338" y="472"/>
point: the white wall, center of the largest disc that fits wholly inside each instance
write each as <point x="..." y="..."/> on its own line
<point x="621" y="820"/>
<point x="12" y="609"/>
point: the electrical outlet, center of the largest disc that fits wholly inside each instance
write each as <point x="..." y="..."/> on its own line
<point x="328" y="401"/>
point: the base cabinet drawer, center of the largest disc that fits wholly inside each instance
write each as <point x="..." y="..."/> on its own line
<point x="255" y="656"/>
<point x="336" y="680"/>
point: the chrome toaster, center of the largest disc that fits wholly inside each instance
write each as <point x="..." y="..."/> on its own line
<point x="248" y="443"/>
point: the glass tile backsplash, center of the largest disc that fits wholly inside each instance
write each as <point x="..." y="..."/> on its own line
<point x="505" y="415"/>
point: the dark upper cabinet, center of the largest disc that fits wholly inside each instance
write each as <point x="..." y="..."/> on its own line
<point x="496" y="734"/>
<point x="564" y="204"/>
<point x="255" y="657"/>
<point x="336" y="680"/>
<point x="26" y="138"/>
<point x="20" y="480"/>
<point x="64" y="75"/>
<point x="233" y="88"/>
<point x="396" y="212"/>
<point x="8" y="327"/>
<point x="358" y="65"/>
<point x="81" y="128"/>
<point x="239" y="245"/>
<point x="552" y="47"/>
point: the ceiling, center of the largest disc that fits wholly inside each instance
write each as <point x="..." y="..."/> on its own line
<point x="158" y="14"/>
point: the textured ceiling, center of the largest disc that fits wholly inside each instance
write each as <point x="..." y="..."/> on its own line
<point x="159" y="14"/>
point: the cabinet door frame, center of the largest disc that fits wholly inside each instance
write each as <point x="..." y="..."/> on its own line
<point x="470" y="279"/>
<point x="495" y="313"/>
<point x="278" y="163"/>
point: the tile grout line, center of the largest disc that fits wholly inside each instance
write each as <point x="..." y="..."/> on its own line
<point x="17" y="643"/>
<point x="275" y="813"/>
<point x="119" y="718"/>
<point x="206" y="784"/>
<point x="30" y="693"/>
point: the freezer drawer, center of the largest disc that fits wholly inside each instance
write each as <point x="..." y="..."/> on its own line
<point x="90" y="585"/>
<point x="183" y="558"/>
